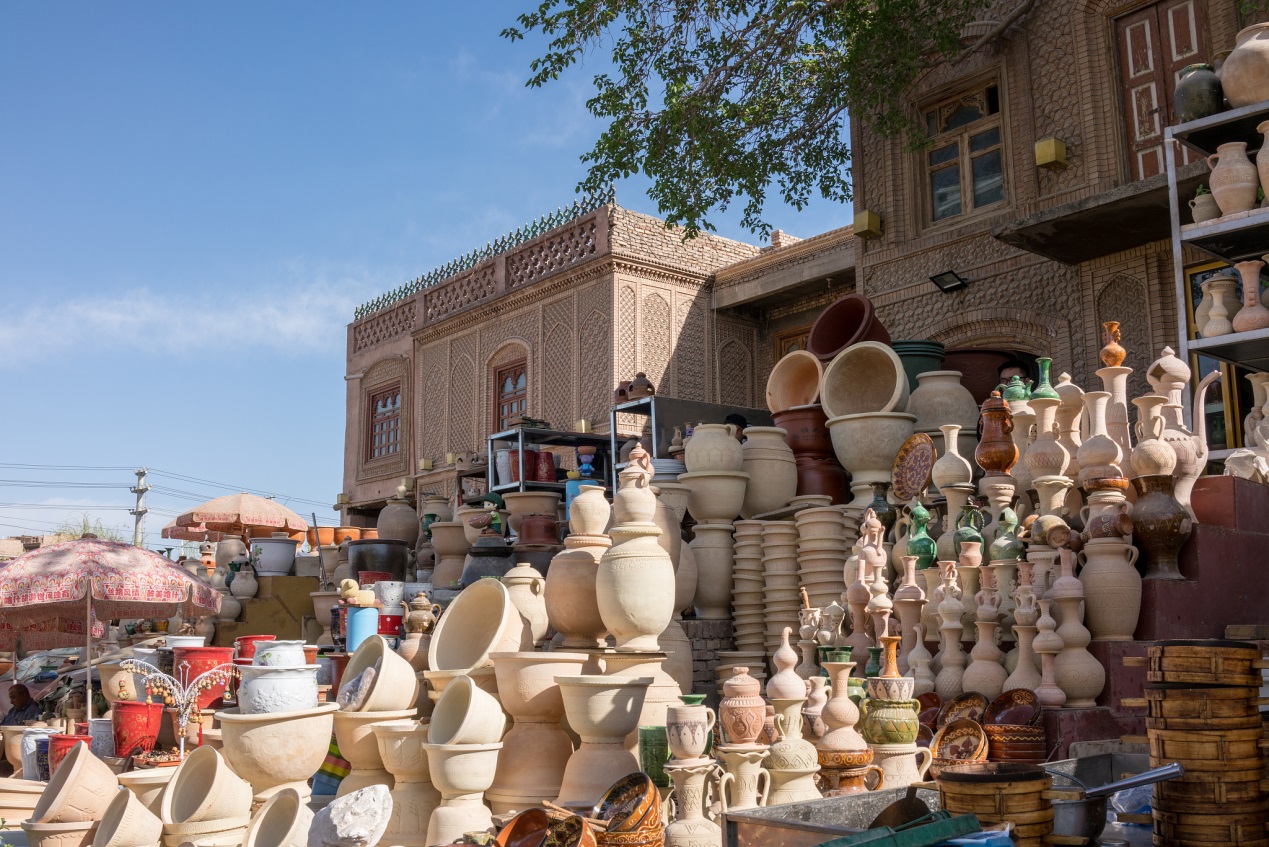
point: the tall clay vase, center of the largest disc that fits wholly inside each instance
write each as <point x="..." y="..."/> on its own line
<point x="691" y="828"/>
<point x="840" y="716"/>
<point x="1047" y="644"/>
<point x="461" y="773"/>
<point x="572" y="606"/>
<point x="1245" y="72"/>
<point x="1160" y="525"/>
<point x="1078" y="673"/>
<point x="602" y="710"/>
<point x="1253" y="315"/>
<point x="713" y="550"/>
<point x="1234" y="179"/>
<point x="1112" y="589"/>
<point x="768" y="458"/>
<point x="1099" y="455"/>
<point x="414" y="798"/>
<point x="909" y="600"/>
<point x="536" y="751"/>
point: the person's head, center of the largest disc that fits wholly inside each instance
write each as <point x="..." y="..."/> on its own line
<point x="1013" y="367"/>
<point x="19" y="696"/>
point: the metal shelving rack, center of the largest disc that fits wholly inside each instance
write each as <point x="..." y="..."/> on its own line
<point x="1231" y="238"/>
<point x="669" y="412"/>
<point x="523" y="437"/>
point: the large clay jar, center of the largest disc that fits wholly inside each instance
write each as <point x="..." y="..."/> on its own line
<point x="526" y="588"/>
<point x="634" y="585"/>
<point x="866" y="445"/>
<point x="846" y="321"/>
<point x="713" y="447"/>
<point x="278" y="750"/>
<point x="1160" y="525"/>
<point x="536" y="750"/>
<point x="996" y="452"/>
<point x="602" y="710"/>
<point x="572" y="605"/>
<point x="1245" y="74"/>
<point x="865" y="378"/>
<point x="1253" y="315"/>
<point x="742" y="709"/>
<point x="794" y="381"/>
<point x="940" y="399"/>
<point x="767" y="457"/>
<point x="398" y="521"/>
<point x="1234" y="179"/>
<point x="1198" y="93"/>
<point x="713" y="551"/>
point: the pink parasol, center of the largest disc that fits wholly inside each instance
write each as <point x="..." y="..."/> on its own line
<point x="76" y="578"/>
<point x="236" y="512"/>
<point x="49" y="634"/>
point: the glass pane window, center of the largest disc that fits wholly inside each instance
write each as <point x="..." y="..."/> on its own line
<point x="513" y="392"/>
<point x="965" y="165"/>
<point x="384" y="437"/>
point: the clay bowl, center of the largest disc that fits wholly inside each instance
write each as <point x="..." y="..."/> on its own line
<point x="527" y="829"/>
<point x="931" y="705"/>
<point x="627" y="802"/>
<point x="925" y="736"/>
<point x="961" y="739"/>
<point x="794" y="381"/>
<point x="204" y="790"/>
<point x="479" y="621"/>
<point x="79" y="792"/>
<point x="971" y="705"/>
<point x="1019" y="707"/>
<point x="572" y="831"/>
<point x="127" y="822"/>
<point x="283" y="821"/>
<point x="395" y="686"/>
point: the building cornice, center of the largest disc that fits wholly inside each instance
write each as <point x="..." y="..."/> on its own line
<point x="783" y="257"/>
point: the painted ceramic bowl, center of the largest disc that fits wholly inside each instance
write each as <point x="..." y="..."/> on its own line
<point x="970" y="705"/>
<point x="931" y="705"/>
<point x="628" y="802"/>
<point x="890" y="689"/>
<point x="845" y="759"/>
<point x="1019" y="707"/>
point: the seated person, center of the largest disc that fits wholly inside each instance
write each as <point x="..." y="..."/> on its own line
<point x="22" y="708"/>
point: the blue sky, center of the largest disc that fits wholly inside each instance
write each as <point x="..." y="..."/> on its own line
<point x="195" y="197"/>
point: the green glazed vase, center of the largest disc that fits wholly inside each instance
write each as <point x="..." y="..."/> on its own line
<point x="873" y="668"/>
<point x="1007" y="547"/>
<point x="920" y="544"/>
<point x="1043" y="388"/>
<point x="883" y="508"/>
<point x="969" y="526"/>
<point x="654" y="752"/>
<point x="889" y="721"/>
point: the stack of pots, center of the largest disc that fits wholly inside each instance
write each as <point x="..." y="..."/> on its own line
<point x="205" y="803"/>
<point x="279" y="679"/>
<point x="414" y="798"/>
<point x="748" y="598"/>
<point x="74" y="800"/>
<point x="793" y="390"/>
<point x="715" y="480"/>
<point x="480" y="621"/>
<point x="864" y="393"/>
<point x="464" y="739"/>
<point x="386" y="688"/>
<point x="822" y="550"/>
<point x="780" y="574"/>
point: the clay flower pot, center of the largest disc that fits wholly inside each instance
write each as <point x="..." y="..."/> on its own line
<point x="127" y="823"/>
<point x="394" y="686"/>
<point x="464" y="714"/>
<point x="278" y="654"/>
<point x="148" y="785"/>
<point x="602" y="710"/>
<point x="523" y="503"/>
<point x="794" y="381"/>
<point x="204" y="789"/>
<point x="715" y="496"/>
<point x="481" y="620"/>
<point x="279" y="749"/>
<point x="78" y="834"/>
<point x="866" y="445"/>
<point x="461" y="773"/>
<point x="283" y="821"/>
<point x="264" y="690"/>
<point x="863" y="379"/>
<point x="354" y="732"/>
<point x="218" y="833"/>
<point x="245" y="645"/>
<point x="59" y="745"/>
<point x="79" y="791"/>
<point x="847" y="321"/>
<point x="195" y="661"/>
<point x="414" y="798"/>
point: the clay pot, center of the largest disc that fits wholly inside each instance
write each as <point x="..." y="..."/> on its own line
<point x="589" y="512"/>
<point x="1253" y="315"/>
<point x="245" y="645"/>
<point x="847" y="321"/>
<point x="79" y="790"/>
<point x="200" y="660"/>
<point x="218" y="833"/>
<point x="263" y="690"/>
<point x="902" y="764"/>
<point x="462" y="774"/>
<point x="60" y="745"/>
<point x="1112" y="588"/>
<point x="274" y="556"/>
<point x="742" y="709"/>
<point x="523" y="503"/>
<point x="1161" y="525"/>
<point x="1203" y="208"/>
<point x="277" y="654"/>
<point x="464" y="714"/>
<point x="794" y="381"/>
<point x="715" y="496"/>
<point x="713" y="447"/>
<point x="283" y="821"/>
<point x="414" y="798"/>
<point x="634" y="585"/>
<point x="481" y="620"/>
<point x="1234" y="179"/>
<point x="866" y="445"/>
<point x="78" y="834"/>
<point x="398" y="521"/>
<point x="889" y="721"/>
<point x="865" y="378"/>
<point x="136" y="726"/>
<point x="127" y="823"/>
<point x="1245" y="73"/>
<point x="148" y="786"/>
<point x="767" y="457"/>
<point x="358" y="743"/>
<point x="572" y="605"/>
<point x="526" y="587"/>
<point x="687" y="730"/>
<point x="538" y="530"/>
<point x="1198" y="93"/>
<point x="806" y="433"/>
<point x="602" y="710"/>
<point x="940" y="399"/>
<point x="278" y="749"/>
<point x="712" y="550"/>
<point x="205" y="789"/>
<point x="394" y="685"/>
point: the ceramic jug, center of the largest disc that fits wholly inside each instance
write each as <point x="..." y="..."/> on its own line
<point x="902" y="764"/>
<point x="1234" y="179"/>
<point x="996" y="452"/>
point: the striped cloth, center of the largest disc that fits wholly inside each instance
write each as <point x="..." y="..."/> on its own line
<point x="332" y="772"/>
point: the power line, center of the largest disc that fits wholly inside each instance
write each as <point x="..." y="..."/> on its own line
<point x="65" y="467"/>
<point x="36" y="483"/>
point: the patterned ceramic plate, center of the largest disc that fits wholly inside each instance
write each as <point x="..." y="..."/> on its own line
<point x="961" y="739"/>
<point x="970" y="705"/>
<point x="1019" y="707"/>
<point x="910" y="473"/>
<point x="931" y="704"/>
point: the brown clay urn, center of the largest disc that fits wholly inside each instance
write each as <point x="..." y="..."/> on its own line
<point x="996" y="453"/>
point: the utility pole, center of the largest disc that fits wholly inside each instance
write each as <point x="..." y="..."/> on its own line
<point x="138" y="536"/>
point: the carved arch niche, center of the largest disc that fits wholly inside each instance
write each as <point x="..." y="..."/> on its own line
<point x="1124" y="299"/>
<point x="510" y="352"/>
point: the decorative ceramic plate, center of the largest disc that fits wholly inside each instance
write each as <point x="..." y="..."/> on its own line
<point x="910" y="473"/>
<point x="961" y="739"/>
<point x="1019" y="707"/>
<point x="925" y="736"/>
<point x="928" y="712"/>
<point x="970" y="705"/>
<point x="626" y="801"/>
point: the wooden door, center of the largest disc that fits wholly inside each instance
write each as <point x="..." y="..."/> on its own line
<point x="1154" y="43"/>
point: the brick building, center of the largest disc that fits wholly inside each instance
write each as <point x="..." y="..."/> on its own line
<point x="1043" y="187"/>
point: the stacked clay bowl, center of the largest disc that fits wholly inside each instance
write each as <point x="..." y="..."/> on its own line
<point x="960" y="742"/>
<point x="631" y="807"/>
<point x="1014" y="731"/>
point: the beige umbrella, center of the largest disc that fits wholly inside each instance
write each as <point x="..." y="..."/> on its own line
<point x="234" y="513"/>
<point x="191" y="533"/>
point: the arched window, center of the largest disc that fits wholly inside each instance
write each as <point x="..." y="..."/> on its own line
<point x="511" y="391"/>
<point x="385" y="424"/>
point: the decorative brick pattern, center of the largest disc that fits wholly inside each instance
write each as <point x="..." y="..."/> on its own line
<point x="383" y="327"/>
<point x="561" y="250"/>
<point x="655" y="341"/>
<point x="633" y="234"/>
<point x="708" y="638"/>
<point x="691" y="379"/>
<point x="462" y="293"/>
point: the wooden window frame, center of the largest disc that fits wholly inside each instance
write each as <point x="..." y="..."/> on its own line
<point x="522" y="365"/>
<point x="397" y="417"/>
<point x="780" y="342"/>
<point x="965" y="157"/>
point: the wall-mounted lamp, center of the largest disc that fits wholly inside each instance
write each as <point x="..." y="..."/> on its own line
<point x="949" y="281"/>
<point x="342" y="500"/>
<point x="1050" y="153"/>
<point x="425" y="464"/>
<point x="867" y="224"/>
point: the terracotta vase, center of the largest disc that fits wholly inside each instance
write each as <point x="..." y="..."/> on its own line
<point x="769" y="458"/>
<point x="691" y="828"/>
<point x="1245" y="72"/>
<point x="996" y="452"/>
<point x="745" y="783"/>
<point x="741" y="710"/>
<point x="1099" y="455"/>
<point x="713" y="447"/>
<point x="951" y="468"/>
<point x="1047" y="645"/>
<point x="840" y="716"/>
<point x="1234" y="179"/>
<point x="846" y="321"/>
<point x="909" y="600"/>
<point x="902" y="764"/>
<point x="985" y="673"/>
<point x="1253" y="315"/>
<point x="1112" y="588"/>
<point x="1077" y="672"/>
<point x="398" y="520"/>
<point x="1160" y="525"/>
<point x="1151" y="455"/>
